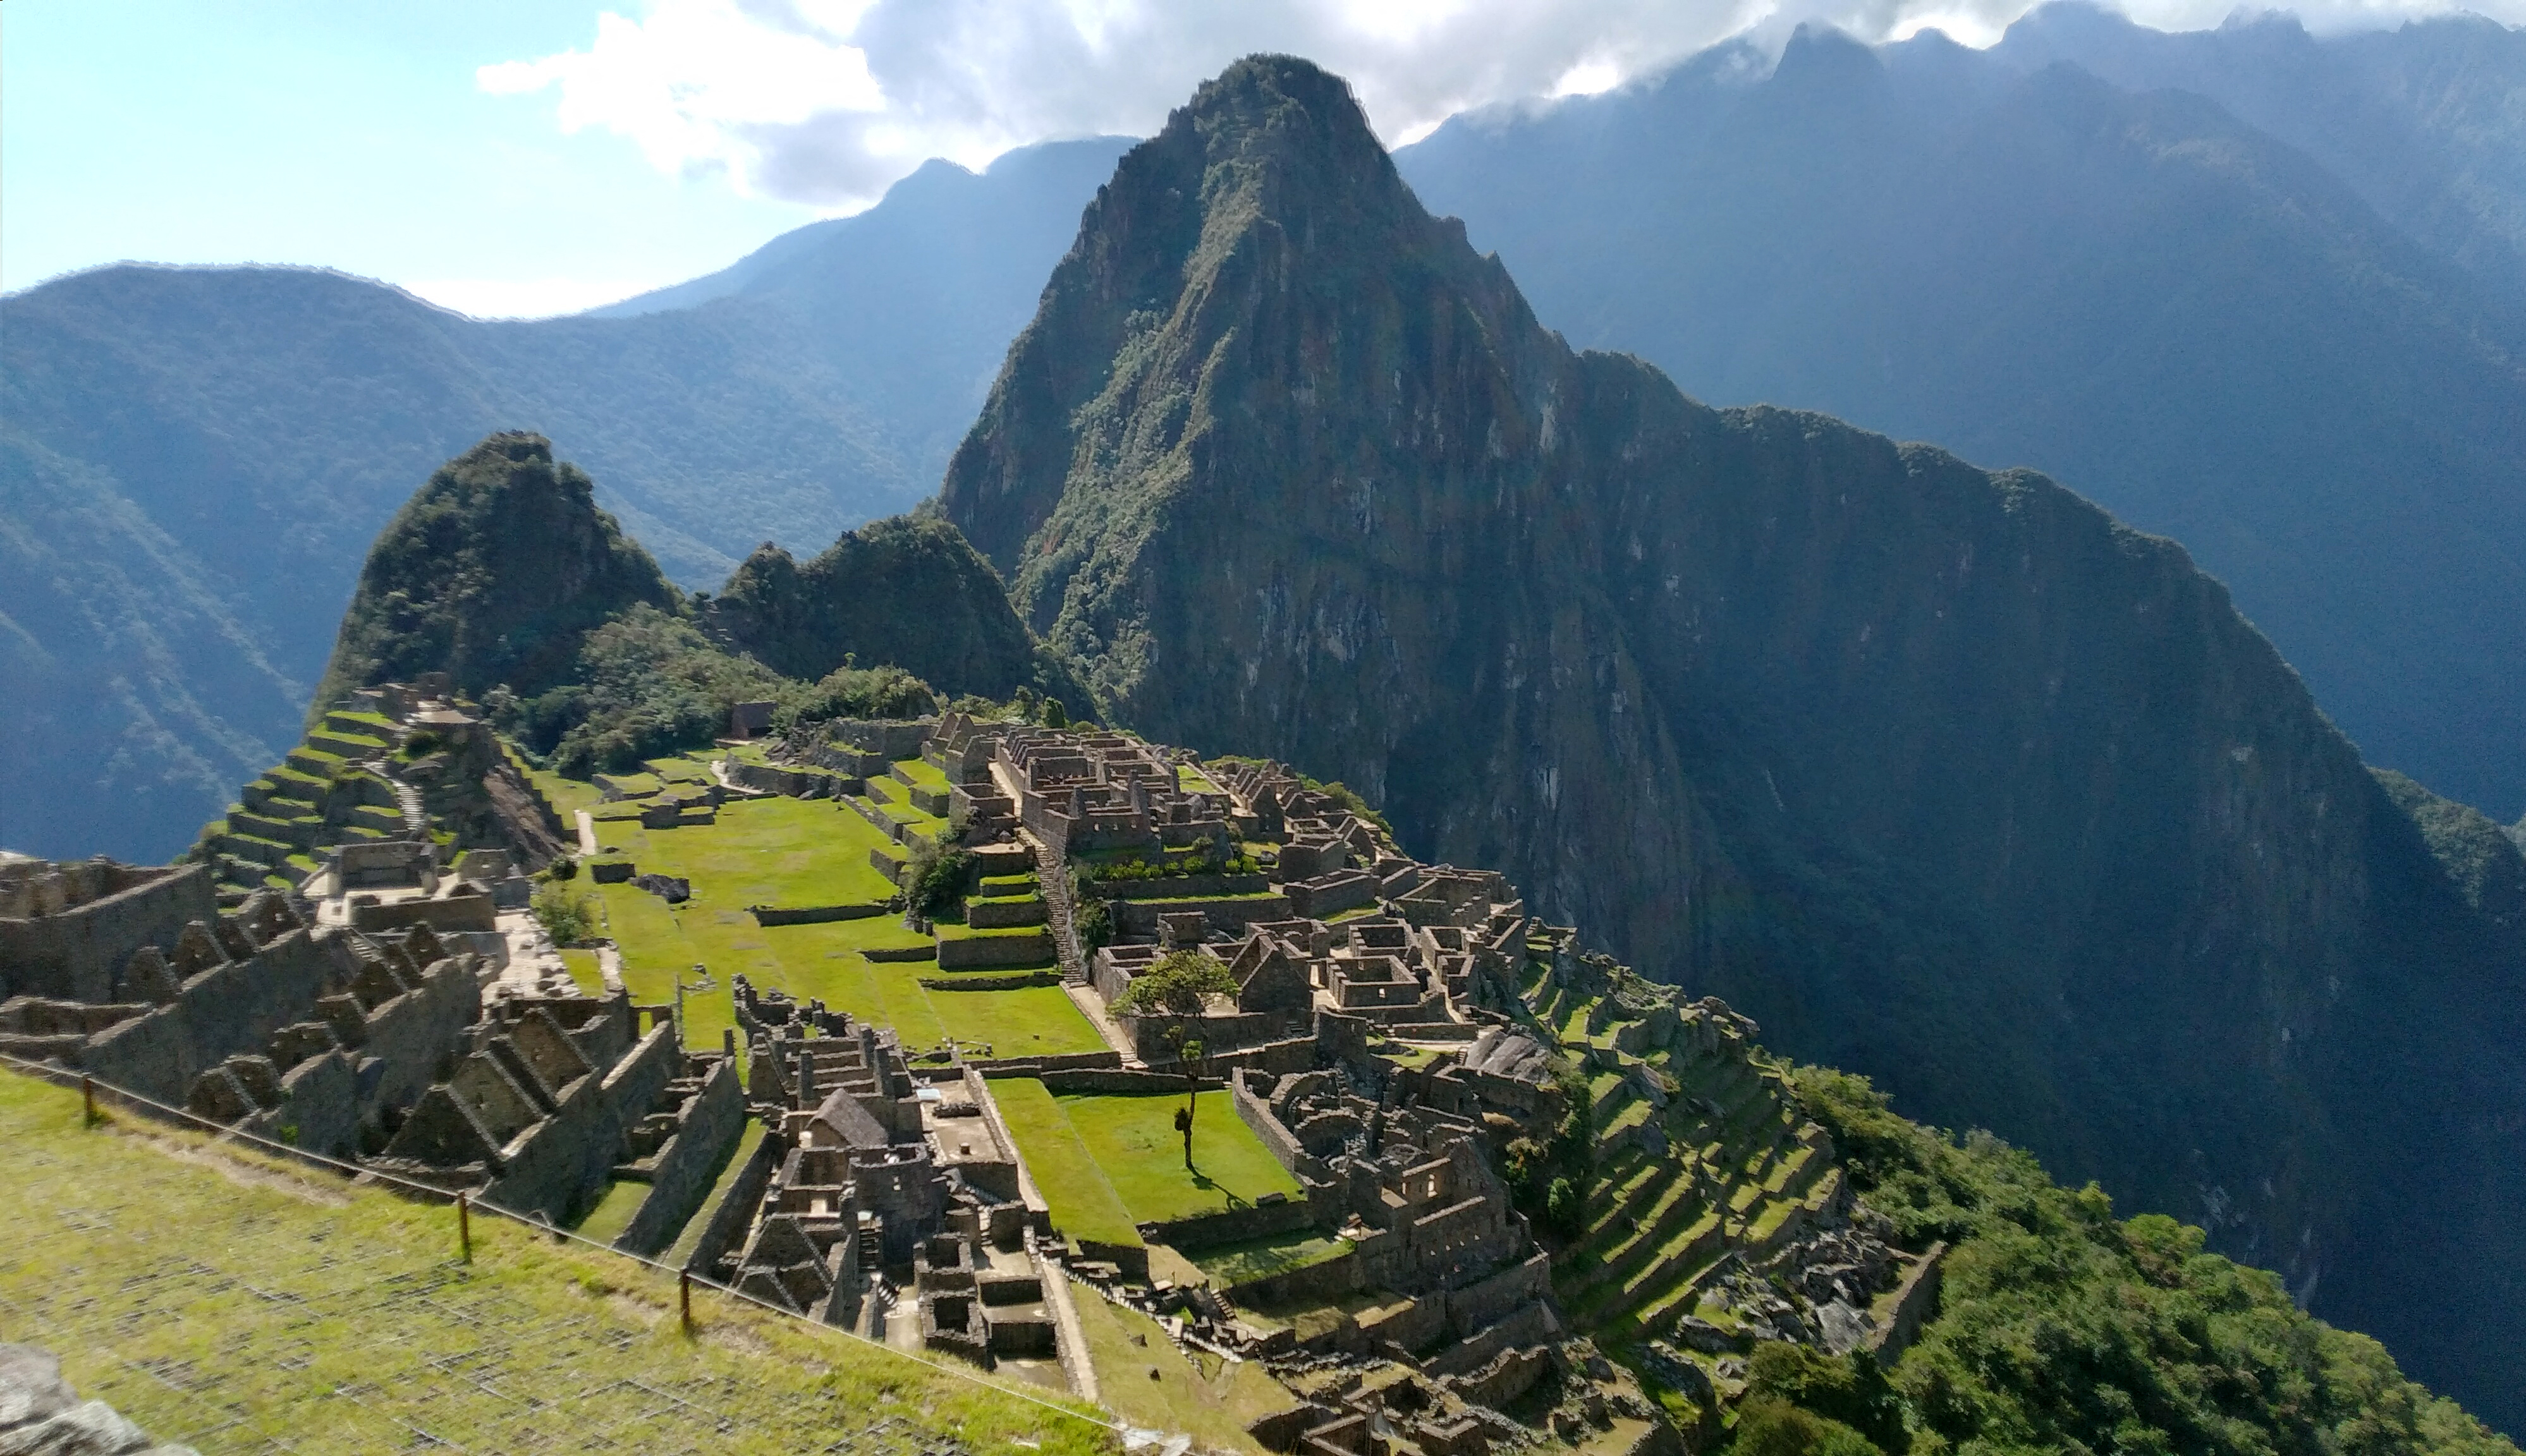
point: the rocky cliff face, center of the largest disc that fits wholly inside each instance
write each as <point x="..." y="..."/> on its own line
<point x="907" y="591"/>
<point x="1942" y="774"/>
<point x="494" y="572"/>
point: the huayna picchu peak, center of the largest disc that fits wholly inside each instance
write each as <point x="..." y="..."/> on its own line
<point x="1941" y="775"/>
<point x="1361" y="883"/>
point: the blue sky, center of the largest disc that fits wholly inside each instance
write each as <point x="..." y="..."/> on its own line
<point x="352" y="135"/>
<point x="530" y="157"/>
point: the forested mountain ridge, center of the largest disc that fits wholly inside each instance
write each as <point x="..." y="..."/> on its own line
<point x="1942" y="775"/>
<point x="2212" y="331"/>
<point x="192" y="459"/>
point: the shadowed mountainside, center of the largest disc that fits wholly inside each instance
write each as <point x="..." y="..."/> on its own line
<point x="2212" y="330"/>
<point x="1942" y="774"/>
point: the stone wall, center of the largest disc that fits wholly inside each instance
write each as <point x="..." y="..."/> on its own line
<point x="796" y="783"/>
<point x="76" y="953"/>
<point x="1139" y="918"/>
<point x="992" y="952"/>
<point x="1329" y="1279"/>
<point x="1231" y="1225"/>
<point x="230" y="1009"/>
<point x="732" y="1216"/>
<point x="688" y="1162"/>
<point x="453" y="913"/>
<point x="1120" y="1083"/>
<point x="1178" y="888"/>
<point x="1915" y="1299"/>
<point x="811" y="915"/>
<point x="558" y="1164"/>
<point x="1004" y="914"/>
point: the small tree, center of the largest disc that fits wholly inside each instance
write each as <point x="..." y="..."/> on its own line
<point x="1055" y="715"/>
<point x="1180" y="984"/>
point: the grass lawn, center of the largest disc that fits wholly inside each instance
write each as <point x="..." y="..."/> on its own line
<point x="612" y="1213"/>
<point x="584" y="972"/>
<point x="1133" y="1139"/>
<point x="1235" y="1263"/>
<point x="1083" y="1202"/>
<point x="823" y="962"/>
<point x="1110" y="1163"/>
<point x="1201" y="1396"/>
<point x="769" y="852"/>
<point x="231" y="1303"/>
<point x="923" y="773"/>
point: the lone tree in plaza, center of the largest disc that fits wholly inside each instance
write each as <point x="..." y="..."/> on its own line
<point x="1180" y="984"/>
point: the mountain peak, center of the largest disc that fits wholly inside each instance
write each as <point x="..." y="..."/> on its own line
<point x="492" y="571"/>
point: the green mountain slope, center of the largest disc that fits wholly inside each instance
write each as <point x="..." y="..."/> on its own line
<point x="493" y="572"/>
<point x="1942" y="775"/>
<point x="907" y="591"/>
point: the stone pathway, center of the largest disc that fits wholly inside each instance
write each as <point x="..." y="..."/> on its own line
<point x="1092" y="1006"/>
<point x="587" y="833"/>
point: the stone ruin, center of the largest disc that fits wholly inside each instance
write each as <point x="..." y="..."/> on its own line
<point x="393" y="1047"/>
<point x="889" y="1194"/>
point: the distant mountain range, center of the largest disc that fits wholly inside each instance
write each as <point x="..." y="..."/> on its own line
<point x="2274" y="314"/>
<point x="191" y="460"/>
<point x="2271" y="313"/>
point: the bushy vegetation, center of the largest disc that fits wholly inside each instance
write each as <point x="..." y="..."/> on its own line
<point x="1136" y="868"/>
<point x="2062" y="1329"/>
<point x="568" y="918"/>
<point x="650" y="684"/>
<point x="935" y="878"/>
<point x="1178" y="984"/>
<point x="1550" y="1176"/>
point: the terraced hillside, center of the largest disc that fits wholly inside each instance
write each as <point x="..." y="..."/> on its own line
<point x="338" y="785"/>
<point x="1702" y="1158"/>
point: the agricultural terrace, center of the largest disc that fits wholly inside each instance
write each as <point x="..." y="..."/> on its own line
<point x="346" y="1323"/>
<point x="1110" y="1163"/>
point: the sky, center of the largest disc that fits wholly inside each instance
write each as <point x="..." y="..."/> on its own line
<point x="512" y="157"/>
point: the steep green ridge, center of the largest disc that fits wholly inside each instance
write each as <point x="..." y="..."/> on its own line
<point x="493" y="572"/>
<point x="2242" y="338"/>
<point x="1942" y="775"/>
<point x="191" y="460"/>
<point x="2063" y="1329"/>
<point x="906" y="591"/>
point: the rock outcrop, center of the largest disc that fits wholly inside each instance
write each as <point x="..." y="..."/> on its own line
<point x="1942" y="774"/>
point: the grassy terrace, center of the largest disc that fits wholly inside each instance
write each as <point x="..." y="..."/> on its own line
<point x="1109" y="1163"/>
<point x="1152" y="1383"/>
<point x="234" y="1304"/>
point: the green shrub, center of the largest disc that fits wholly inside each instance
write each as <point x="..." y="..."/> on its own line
<point x="566" y="918"/>
<point x="934" y="878"/>
<point x="1769" y="1426"/>
<point x="1850" y="1389"/>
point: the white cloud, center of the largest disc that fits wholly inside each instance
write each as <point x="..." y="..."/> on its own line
<point x="826" y="102"/>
